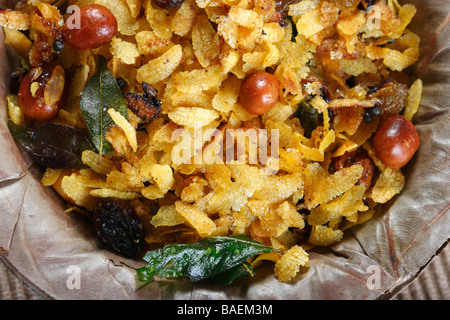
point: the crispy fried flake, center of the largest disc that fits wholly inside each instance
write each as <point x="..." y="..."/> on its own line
<point x="146" y="106"/>
<point x="16" y="20"/>
<point x="290" y="262"/>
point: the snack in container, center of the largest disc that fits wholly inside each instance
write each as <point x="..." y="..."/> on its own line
<point x="331" y="74"/>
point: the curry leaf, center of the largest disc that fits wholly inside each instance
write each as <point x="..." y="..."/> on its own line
<point x="227" y="277"/>
<point x="53" y="145"/>
<point x="203" y="259"/>
<point x="101" y="93"/>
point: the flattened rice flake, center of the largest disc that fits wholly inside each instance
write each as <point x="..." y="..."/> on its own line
<point x="196" y="218"/>
<point x="390" y="183"/>
<point x="127" y="52"/>
<point x="128" y="129"/>
<point x="162" y="67"/>
<point x="15" y="113"/>
<point x="78" y="192"/>
<point x="167" y="216"/>
<point x="50" y="176"/>
<point x="324" y="236"/>
<point x="413" y="100"/>
<point x="287" y="267"/>
<point x="321" y="187"/>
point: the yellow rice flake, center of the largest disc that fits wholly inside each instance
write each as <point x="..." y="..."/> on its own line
<point x="97" y="162"/>
<point x="126" y="23"/>
<point x="390" y="183"/>
<point x="14" y="19"/>
<point x="110" y="193"/>
<point x="290" y="215"/>
<point x="148" y="43"/>
<point x="184" y="18"/>
<point x="167" y="216"/>
<point x="196" y="218"/>
<point x="205" y="41"/>
<point x="161" y="67"/>
<point x="193" y="117"/>
<point x="50" y="176"/>
<point x="163" y="176"/>
<point x="127" y="52"/>
<point x="320" y="187"/>
<point x="414" y="99"/>
<point x="127" y="128"/>
<point x="287" y="267"/>
<point x="324" y="236"/>
<point x="309" y="23"/>
<point x="15" y="113"/>
<point x="77" y="191"/>
<point x="18" y="41"/>
<point x="198" y="79"/>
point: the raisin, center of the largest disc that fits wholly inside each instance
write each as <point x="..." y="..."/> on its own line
<point x="392" y="96"/>
<point x="282" y="6"/>
<point x="358" y="156"/>
<point x="375" y="111"/>
<point x="58" y="45"/>
<point x="367" y="116"/>
<point x="119" y="227"/>
<point x="166" y="4"/>
<point x="350" y="82"/>
<point x="121" y="83"/>
<point x="371" y="113"/>
<point x="366" y="4"/>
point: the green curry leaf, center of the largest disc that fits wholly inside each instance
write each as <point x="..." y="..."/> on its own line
<point x="227" y="277"/>
<point x="53" y="145"/>
<point x="203" y="259"/>
<point x="101" y="93"/>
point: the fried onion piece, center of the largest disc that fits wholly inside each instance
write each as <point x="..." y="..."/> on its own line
<point x="146" y="106"/>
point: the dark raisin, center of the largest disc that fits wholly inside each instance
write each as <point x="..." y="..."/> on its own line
<point x="281" y="22"/>
<point x="331" y="113"/>
<point x="375" y="111"/>
<point x="366" y="4"/>
<point x="121" y="83"/>
<point x="166" y="4"/>
<point x="325" y="94"/>
<point x="58" y="45"/>
<point x="119" y="227"/>
<point x="283" y="6"/>
<point x="367" y="116"/>
<point x="392" y="96"/>
<point x="149" y="91"/>
<point x="16" y="78"/>
<point x="350" y="82"/>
